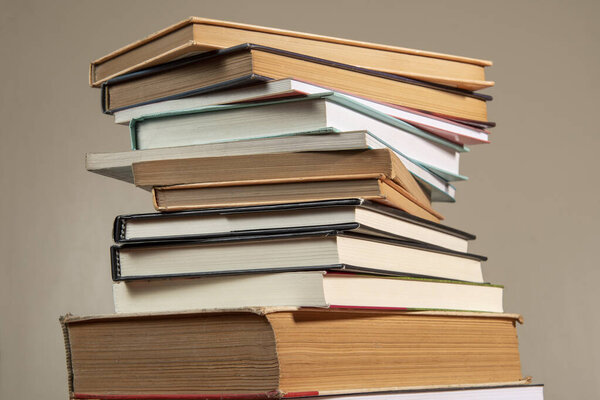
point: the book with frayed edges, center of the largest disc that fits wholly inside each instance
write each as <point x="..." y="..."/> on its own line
<point x="286" y="352"/>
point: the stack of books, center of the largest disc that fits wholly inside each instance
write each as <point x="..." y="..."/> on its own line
<point x="296" y="252"/>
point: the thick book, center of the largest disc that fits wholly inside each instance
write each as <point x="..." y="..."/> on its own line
<point x="305" y="289"/>
<point x="283" y="353"/>
<point x="313" y="113"/>
<point x="292" y="251"/>
<point x="242" y="194"/>
<point x="249" y="63"/>
<point x="281" y="167"/>
<point x="456" y="132"/>
<point x="354" y="215"/>
<point x="118" y="165"/>
<point x="195" y="35"/>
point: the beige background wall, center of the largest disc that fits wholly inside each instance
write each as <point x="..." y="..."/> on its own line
<point x="532" y="199"/>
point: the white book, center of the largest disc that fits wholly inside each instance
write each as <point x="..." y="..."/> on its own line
<point x="451" y="130"/>
<point x="515" y="392"/>
<point x="303" y="289"/>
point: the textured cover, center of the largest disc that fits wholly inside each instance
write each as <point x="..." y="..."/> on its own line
<point x="69" y="320"/>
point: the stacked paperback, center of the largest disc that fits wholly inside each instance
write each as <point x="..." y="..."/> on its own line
<point x="296" y="251"/>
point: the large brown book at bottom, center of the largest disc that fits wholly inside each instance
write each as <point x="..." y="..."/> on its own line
<point x="246" y="193"/>
<point x="286" y="353"/>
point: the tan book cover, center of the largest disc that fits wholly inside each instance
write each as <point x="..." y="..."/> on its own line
<point x="250" y="63"/>
<point x="248" y="193"/>
<point x="195" y="35"/>
<point x="287" y="352"/>
<point x="319" y="165"/>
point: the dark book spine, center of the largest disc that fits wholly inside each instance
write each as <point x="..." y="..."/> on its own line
<point x="115" y="263"/>
<point x="103" y="98"/>
<point x="119" y="227"/>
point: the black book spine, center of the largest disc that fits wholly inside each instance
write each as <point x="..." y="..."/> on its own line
<point x="103" y="97"/>
<point x="115" y="263"/>
<point x="119" y="227"/>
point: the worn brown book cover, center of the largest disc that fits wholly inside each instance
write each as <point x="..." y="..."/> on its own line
<point x="247" y="193"/>
<point x="281" y="166"/>
<point x="275" y="353"/>
<point x="195" y="35"/>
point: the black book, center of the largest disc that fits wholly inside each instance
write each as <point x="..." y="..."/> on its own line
<point x="357" y="215"/>
<point x="292" y="251"/>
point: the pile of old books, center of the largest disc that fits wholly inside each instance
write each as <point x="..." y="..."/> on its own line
<point x="296" y="252"/>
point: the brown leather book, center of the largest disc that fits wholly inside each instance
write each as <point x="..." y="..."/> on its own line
<point x="195" y="35"/>
<point x="276" y="353"/>
<point x="248" y="193"/>
<point x="250" y="63"/>
<point x="281" y="167"/>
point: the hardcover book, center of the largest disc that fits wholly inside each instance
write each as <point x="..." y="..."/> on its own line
<point x="484" y="392"/>
<point x="119" y="165"/>
<point x="249" y="63"/>
<point x="195" y="35"/>
<point x="314" y="113"/>
<point x="292" y="251"/>
<point x="304" y="289"/>
<point x="241" y="194"/>
<point x="355" y="215"/>
<point x="282" y="167"/>
<point x="459" y="133"/>
<point x="280" y="353"/>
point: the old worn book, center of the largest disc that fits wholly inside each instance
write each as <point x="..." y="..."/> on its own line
<point x="249" y="63"/>
<point x="281" y="167"/>
<point x="313" y="113"/>
<point x="458" y="133"/>
<point x="279" y="353"/>
<point x="354" y="215"/>
<point x="240" y="194"/>
<point x="304" y="289"/>
<point x="196" y="35"/>
<point x="292" y="251"/>
<point x="118" y="165"/>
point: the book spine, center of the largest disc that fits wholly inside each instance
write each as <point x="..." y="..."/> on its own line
<point x="104" y="98"/>
<point x="155" y="201"/>
<point x="119" y="227"/>
<point x="65" y="332"/>
<point x="115" y="263"/>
